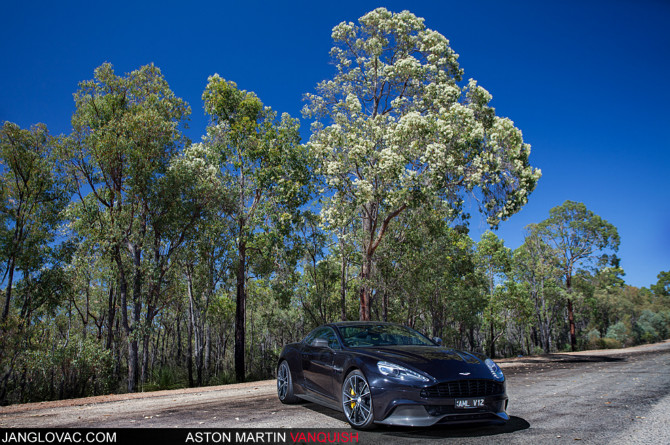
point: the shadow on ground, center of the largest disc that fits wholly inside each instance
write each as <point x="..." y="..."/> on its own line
<point x="559" y="358"/>
<point x="433" y="432"/>
<point x="453" y="431"/>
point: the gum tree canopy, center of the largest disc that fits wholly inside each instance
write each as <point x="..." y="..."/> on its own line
<point x="395" y="131"/>
<point x="579" y="237"/>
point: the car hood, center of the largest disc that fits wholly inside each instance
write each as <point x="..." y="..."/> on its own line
<point x="440" y="363"/>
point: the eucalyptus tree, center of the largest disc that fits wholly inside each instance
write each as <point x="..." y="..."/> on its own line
<point x="321" y="273"/>
<point x="395" y="130"/>
<point x="126" y="131"/>
<point x="494" y="260"/>
<point x="662" y="289"/>
<point x="206" y="259"/>
<point x="580" y="238"/>
<point x="32" y="194"/>
<point x="266" y="170"/>
<point x="32" y="197"/>
<point x="603" y="294"/>
<point x="534" y="267"/>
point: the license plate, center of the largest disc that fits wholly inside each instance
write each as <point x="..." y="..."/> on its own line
<point x="469" y="403"/>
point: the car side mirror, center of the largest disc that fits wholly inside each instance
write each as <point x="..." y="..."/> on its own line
<point x="320" y="343"/>
<point x="438" y="341"/>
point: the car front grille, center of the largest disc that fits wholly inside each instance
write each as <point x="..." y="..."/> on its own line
<point x="463" y="388"/>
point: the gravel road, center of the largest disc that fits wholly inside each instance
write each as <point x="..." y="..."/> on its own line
<point x="600" y="397"/>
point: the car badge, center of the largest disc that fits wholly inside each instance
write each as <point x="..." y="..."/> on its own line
<point x="464" y="373"/>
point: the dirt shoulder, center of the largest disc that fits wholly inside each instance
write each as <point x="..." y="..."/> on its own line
<point x="235" y="389"/>
<point x="563" y="356"/>
<point x="242" y="390"/>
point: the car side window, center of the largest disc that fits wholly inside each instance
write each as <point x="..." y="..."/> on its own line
<point x="325" y="333"/>
<point x="311" y="336"/>
<point x="333" y="342"/>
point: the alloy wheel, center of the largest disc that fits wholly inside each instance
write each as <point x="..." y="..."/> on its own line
<point x="282" y="380"/>
<point x="357" y="400"/>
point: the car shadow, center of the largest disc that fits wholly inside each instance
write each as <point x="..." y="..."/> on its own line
<point x="338" y="415"/>
<point x="455" y="431"/>
<point x="431" y="432"/>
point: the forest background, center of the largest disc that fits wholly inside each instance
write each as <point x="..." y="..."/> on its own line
<point x="134" y="259"/>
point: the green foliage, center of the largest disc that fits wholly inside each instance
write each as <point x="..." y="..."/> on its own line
<point x="578" y="235"/>
<point x="579" y="238"/>
<point x="595" y="341"/>
<point x="166" y="378"/>
<point x="173" y="256"/>
<point x="394" y="131"/>
<point x="661" y="289"/>
<point x="267" y="172"/>
<point x="652" y="326"/>
<point x="33" y="193"/>
<point x="620" y="331"/>
<point x="76" y="367"/>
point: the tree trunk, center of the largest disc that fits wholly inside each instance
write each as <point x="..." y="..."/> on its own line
<point x="132" y="364"/>
<point x="189" y="352"/>
<point x="492" y="349"/>
<point x="133" y="352"/>
<point x="112" y="314"/>
<point x="240" y="314"/>
<point x="343" y="284"/>
<point x="179" y="351"/>
<point x="132" y="344"/>
<point x="146" y="350"/>
<point x="571" y="321"/>
<point x="365" y="289"/>
<point x="8" y="296"/>
<point x="571" y="314"/>
<point x="208" y="353"/>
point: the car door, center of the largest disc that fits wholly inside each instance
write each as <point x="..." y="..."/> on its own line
<point x="317" y="363"/>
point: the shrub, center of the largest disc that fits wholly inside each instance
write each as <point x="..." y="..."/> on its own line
<point x="618" y="331"/>
<point x="650" y="327"/>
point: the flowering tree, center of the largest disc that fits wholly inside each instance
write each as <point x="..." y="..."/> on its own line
<point x="395" y="131"/>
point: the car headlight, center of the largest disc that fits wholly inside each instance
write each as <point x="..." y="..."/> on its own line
<point x="495" y="370"/>
<point x="400" y="372"/>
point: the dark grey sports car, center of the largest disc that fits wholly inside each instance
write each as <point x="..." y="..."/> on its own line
<point x="384" y="373"/>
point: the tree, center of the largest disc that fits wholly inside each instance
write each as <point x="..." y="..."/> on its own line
<point x="33" y="195"/>
<point x="395" y="131"/>
<point x="579" y="237"/>
<point x="662" y="289"/>
<point x="535" y="268"/>
<point x="126" y="131"/>
<point x="494" y="260"/>
<point x="603" y="291"/>
<point x="266" y="170"/>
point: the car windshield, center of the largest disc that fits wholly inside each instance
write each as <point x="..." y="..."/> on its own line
<point x="366" y="335"/>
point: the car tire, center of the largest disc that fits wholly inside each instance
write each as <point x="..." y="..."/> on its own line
<point x="285" y="384"/>
<point x="357" y="401"/>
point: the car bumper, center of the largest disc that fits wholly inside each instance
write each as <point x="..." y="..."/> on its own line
<point x="406" y="407"/>
<point x="431" y="414"/>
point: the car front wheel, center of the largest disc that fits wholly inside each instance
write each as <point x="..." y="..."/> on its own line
<point x="285" y="384"/>
<point x="357" y="401"/>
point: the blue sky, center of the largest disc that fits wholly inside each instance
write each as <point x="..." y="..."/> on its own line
<point x="586" y="82"/>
